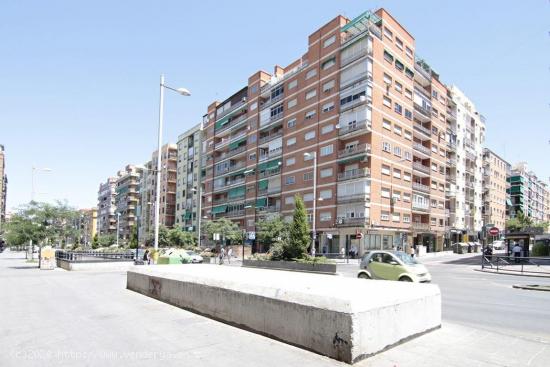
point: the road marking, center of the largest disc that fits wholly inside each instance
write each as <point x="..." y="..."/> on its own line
<point x="536" y="355"/>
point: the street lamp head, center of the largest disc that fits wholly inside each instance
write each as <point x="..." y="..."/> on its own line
<point x="183" y="92"/>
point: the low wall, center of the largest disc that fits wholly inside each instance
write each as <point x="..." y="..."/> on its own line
<point x="347" y="319"/>
<point x="291" y="265"/>
<point x="95" y="265"/>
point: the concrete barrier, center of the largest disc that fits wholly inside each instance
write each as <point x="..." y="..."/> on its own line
<point x="292" y="266"/>
<point x="347" y="319"/>
<point x="95" y="265"/>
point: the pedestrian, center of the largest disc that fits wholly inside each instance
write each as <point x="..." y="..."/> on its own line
<point x="517" y="253"/>
<point x="410" y="251"/>
<point x="229" y="254"/>
<point x="313" y="251"/>
<point x="354" y="252"/>
<point x="343" y="252"/>
<point x="488" y="253"/>
<point x="147" y="257"/>
<point x="325" y="249"/>
<point x="222" y="255"/>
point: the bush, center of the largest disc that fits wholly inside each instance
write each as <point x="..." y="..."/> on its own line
<point x="314" y="260"/>
<point x="277" y="251"/>
<point x="540" y="249"/>
<point x="261" y="257"/>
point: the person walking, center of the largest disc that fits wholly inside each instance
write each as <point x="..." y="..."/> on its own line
<point x="410" y="250"/>
<point x="229" y="254"/>
<point x="516" y="250"/>
<point x="147" y="257"/>
<point x="222" y="255"/>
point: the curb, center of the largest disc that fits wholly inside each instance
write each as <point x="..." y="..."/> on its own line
<point x="534" y="287"/>
<point x="512" y="273"/>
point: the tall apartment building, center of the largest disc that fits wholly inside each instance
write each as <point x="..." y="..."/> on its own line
<point x="87" y="224"/>
<point x="528" y="194"/>
<point x="3" y="187"/>
<point x="106" y="217"/>
<point x="495" y="172"/>
<point x="168" y="172"/>
<point x="189" y="178"/>
<point x="466" y="135"/>
<point x="373" y="115"/>
<point x="127" y="199"/>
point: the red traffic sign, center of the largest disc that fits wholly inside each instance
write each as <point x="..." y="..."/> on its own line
<point x="494" y="231"/>
<point x="358" y="235"/>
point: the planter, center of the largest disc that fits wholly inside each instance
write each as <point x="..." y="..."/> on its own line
<point x="291" y="266"/>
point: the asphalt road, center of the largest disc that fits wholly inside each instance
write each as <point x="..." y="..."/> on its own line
<point x="486" y="301"/>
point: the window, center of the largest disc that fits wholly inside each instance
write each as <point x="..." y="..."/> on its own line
<point x="308" y="197"/>
<point x="408" y="135"/>
<point x="293" y="84"/>
<point x="327" y="172"/>
<point x="408" y="155"/>
<point x="398" y="108"/>
<point x="252" y="157"/>
<point x="399" y="65"/>
<point x="388" y="33"/>
<point x="327" y="87"/>
<point x="399" y="43"/>
<point x="308" y="176"/>
<point x="409" y="73"/>
<point x="312" y="93"/>
<point x="385" y="192"/>
<point x="396" y="217"/>
<point x="434" y="167"/>
<point x="397" y="151"/>
<point x="327" y="107"/>
<point x="408" y="52"/>
<point x="434" y="94"/>
<point x="254" y="89"/>
<point x="290" y="141"/>
<point x="406" y="176"/>
<point x="408" y="93"/>
<point x="309" y="135"/>
<point x="387" y="79"/>
<point x="406" y="197"/>
<point x="290" y="161"/>
<point x="325" y="194"/>
<point x="289" y="200"/>
<point x="396" y="173"/>
<point x="290" y="180"/>
<point x="308" y="157"/>
<point x="387" y="102"/>
<point x="408" y="114"/>
<point x="327" y="64"/>
<point x="326" y="150"/>
<point x="291" y="123"/>
<point x="384" y="215"/>
<point x="386" y="147"/>
<point x="329" y="41"/>
<point x="311" y="73"/>
<point x="388" y="57"/>
<point x="386" y="124"/>
<point x="327" y="129"/>
<point x="253" y="106"/>
<point x="396" y="195"/>
<point x="406" y="218"/>
<point x="292" y="103"/>
<point x="385" y="170"/>
<point x="398" y="87"/>
<point x="397" y="129"/>
<point x="310" y="115"/>
<point x="325" y="216"/>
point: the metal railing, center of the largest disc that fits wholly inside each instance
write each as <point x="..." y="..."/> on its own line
<point x="356" y="126"/>
<point x="94" y="256"/>
<point x="518" y="264"/>
<point x="420" y="187"/>
<point x="353" y="173"/>
<point x="422" y="148"/>
<point x="357" y="149"/>
<point x="420" y="167"/>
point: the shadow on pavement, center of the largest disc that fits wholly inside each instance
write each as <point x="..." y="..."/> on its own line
<point x="475" y="260"/>
<point x="24" y="267"/>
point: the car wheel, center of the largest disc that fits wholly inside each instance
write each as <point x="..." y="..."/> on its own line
<point x="363" y="276"/>
<point x="405" y="279"/>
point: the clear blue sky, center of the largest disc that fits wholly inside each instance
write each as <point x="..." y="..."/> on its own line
<point x="79" y="80"/>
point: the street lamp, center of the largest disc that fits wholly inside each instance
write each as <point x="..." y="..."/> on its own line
<point x="314" y="155"/>
<point x="117" y="227"/>
<point x="183" y="92"/>
<point x="36" y="169"/>
<point x="199" y="213"/>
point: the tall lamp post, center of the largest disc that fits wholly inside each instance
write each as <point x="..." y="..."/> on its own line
<point x="183" y="92"/>
<point x="117" y="227"/>
<point x="314" y="155"/>
<point x="199" y="212"/>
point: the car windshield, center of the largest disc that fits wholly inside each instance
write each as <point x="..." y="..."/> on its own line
<point x="406" y="258"/>
<point x="190" y="253"/>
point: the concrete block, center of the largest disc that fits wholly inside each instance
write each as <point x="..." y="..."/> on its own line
<point x="95" y="265"/>
<point x="344" y="318"/>
<point x="291" y="266"/>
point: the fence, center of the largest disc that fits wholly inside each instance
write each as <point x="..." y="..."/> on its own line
<point x="94" y="256"/>
<point x="519" y="264"/>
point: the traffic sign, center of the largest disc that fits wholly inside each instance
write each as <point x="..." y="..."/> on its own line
<point x="494" y="231"/>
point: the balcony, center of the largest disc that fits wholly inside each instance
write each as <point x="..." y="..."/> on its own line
<point x="353" y="174"/>
<point x="241" y="103"/>
<point x="357" y="81"/>
<point x="451" y="162"/>
<point x="354" y="103"/>
<point x="269" y="209"/>
<point x="231" y="139"/>
<point x="268" y="138"/>
<point x="420" y="187"/>
<point x="272" y="154"/>
<point x="359" y="127"/>
<point x="419" y="226"/>
<point x="231" y="153"/>
<point x="271" y="101"/>
<point x="356" y="56"/>
<point x="469" y="170"/>
<point x="233" y="123"/>
<point x="351" y="222"/>
<point x="353" y="198"/>
<point x="423" y="130"/>
<point x="421" y="148"/>
<point x="451" y="145"/>
<point x="234" y="213"/>
<point x="470" y="156"/>
<point x="271" y="120"/>
<point x="423" y="114"/>
<point x="451" y="115"/>
<point x="450" y="193"/>
<point x="269" y="173"/>
<point x="228" y="185"/>
<point x="354" y="150"/>
<point x="421" y="207"/>
<point x="420" y="167"/>
<point x="229" y="169"/>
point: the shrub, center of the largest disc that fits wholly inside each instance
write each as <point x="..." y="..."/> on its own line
<point x="540" y="249"/>
<point x="314" y="260"/>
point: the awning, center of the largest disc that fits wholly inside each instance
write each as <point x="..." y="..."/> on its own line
<point x="262" y="185"/>
<point x="235" y="144"/>
<point x="262" y="166"/>
<point x="352" y="159"/>
<point x="222" y="122"/>
<point x="273" y="164"/>
<point x="219" y="209"/>
<point x="237" y="192"/>
<point x="236" y="173"/>
<point x="260" y="203"/>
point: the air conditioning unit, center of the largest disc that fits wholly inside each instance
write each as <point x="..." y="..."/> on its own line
<point x="340" y="221"/>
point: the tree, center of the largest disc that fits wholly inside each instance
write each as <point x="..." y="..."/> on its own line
<point x="519" y="223"/>
<point x="133" y="243"/>
<point x="107" y="240"/>
<point x="225" y="227"/>
<point x="180" y="238"/>
<point x="273" y="230"/>
<point x="95" y="242"/>
<point x="299" y="240"/>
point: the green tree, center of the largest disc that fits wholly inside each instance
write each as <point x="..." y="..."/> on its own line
<point x="95" y="242"/>
<point x="225" y="227"/>
<point x="272" y="230"/>
<point x="519" y="223"/>
<point x="180" y="238"/>
<point x="296" y="247"/>
<point x="107" y="240"/>
<point x="133" y="243"/>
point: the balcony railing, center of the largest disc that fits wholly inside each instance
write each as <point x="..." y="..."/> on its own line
<point x="231" y="109"/>
<point x="353" y="174"/>
<point x="451" y="145"/>
<point x="420" y="226"/>
<point x="422" y="129"/>
<point x="271" y="101"/>
<point x="420" y="187"/>
<point x="350" y="222"/>
<point x="268" y="173"/>
<point x="422" y="148"/>
<point x="272" y="153"/>
<point x="361" y="197"/>
<point x="234" y="213"/>
<point x="269" y="209"/>
<point x="364" y="125"/>
<point x="424" y="111"/>
<point x="271" y="119"/>
<point x="234" y="167"/>
<point x="270" y="137"/>
<point x="228" y="184"/>
<point x="357" y="55"/>
<point x="451" y="113"/>
<point x="420" y="167"/>
<point x="470" y="156"/>
<point x="354" y="150"/>
<point x="231" y="153"/>
<point x="231" y="124"/>
<point x="421" y="207"/>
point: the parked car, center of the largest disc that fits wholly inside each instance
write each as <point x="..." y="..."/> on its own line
<point x="195" y="258"/>
<point x="498" y="245"/>
<point x="392" y="265"/>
